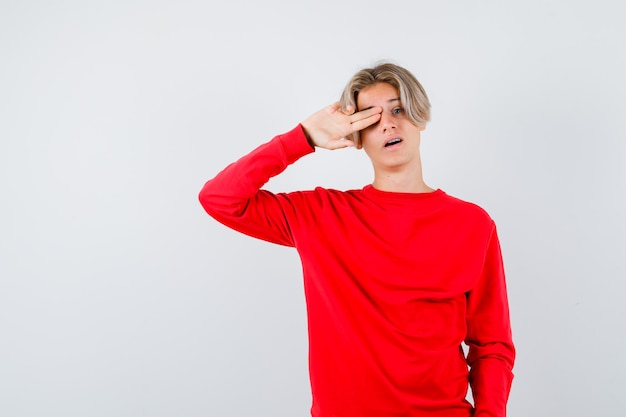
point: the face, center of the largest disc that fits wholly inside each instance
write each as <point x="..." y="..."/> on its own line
<point x="392" y="142"/>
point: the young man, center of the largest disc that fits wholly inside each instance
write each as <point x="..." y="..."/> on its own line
<point x="396" y="275"/>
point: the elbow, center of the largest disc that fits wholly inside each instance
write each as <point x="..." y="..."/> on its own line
<point x="210" y="199"/>
<point x="205" y="196"/>
<point x="219" y="203"/>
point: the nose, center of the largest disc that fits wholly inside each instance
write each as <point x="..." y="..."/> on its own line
<point x="386" y="122"/>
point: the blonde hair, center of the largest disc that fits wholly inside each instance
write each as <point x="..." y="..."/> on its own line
<point x="412" y="94"/>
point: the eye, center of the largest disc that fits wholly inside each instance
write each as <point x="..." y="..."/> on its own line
<point x="397" y="110"/>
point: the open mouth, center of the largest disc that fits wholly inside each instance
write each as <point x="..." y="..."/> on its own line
<point x="392" y="142"/>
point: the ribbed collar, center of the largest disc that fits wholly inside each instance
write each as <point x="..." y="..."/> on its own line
<point x="372" y="193"/>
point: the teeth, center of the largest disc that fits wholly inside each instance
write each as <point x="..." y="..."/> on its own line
<point x="392" y="142"/>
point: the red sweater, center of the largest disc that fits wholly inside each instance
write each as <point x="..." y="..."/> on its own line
<point x="394" y="282"/>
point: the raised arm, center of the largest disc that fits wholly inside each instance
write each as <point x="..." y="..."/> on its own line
<point x="235" y="198"/>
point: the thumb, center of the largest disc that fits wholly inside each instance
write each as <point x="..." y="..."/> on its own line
<point x="349" y="110"/>
<point x="340" y="144"/>
<point x="333" y="108"/>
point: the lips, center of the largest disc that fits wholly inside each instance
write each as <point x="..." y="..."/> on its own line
<point x="392" y="141"/>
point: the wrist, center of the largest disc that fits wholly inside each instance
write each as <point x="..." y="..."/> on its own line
<point x="307" y="135"/>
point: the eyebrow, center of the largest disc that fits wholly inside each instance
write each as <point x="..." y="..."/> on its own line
<point x="391" y="100"/>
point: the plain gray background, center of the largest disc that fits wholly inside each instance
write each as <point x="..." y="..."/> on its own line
<point x="119" y="296"/>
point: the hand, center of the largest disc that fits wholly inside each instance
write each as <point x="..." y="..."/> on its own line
<point x="328" y="127"/>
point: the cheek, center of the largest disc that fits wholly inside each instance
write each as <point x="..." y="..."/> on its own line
<point x="365" y="134"/>
<point x="366" y="144"/>
<point x="363" y="140"/>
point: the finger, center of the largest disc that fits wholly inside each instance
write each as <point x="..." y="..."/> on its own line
<point x="364" y="114"/>
<point x="363" y="123"/>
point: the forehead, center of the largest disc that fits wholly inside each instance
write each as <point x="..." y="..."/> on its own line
<point x="378" y="94"/>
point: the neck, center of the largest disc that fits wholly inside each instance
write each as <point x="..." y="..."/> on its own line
<point x="401" y="180"/>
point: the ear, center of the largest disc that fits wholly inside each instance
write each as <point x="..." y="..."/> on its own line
<point x="421" y="127"/>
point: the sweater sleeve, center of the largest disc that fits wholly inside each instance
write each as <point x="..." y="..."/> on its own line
<point x="491" y="351"/>
<point x="235" y="199"/>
